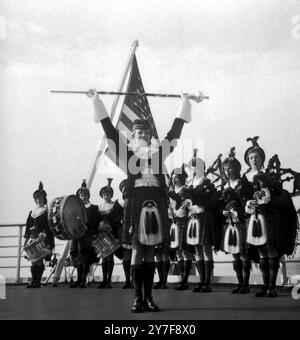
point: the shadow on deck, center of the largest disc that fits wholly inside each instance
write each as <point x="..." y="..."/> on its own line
<point x="63" y="303"/>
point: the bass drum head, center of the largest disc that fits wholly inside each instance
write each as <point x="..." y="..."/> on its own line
<point x="74" y="217"/>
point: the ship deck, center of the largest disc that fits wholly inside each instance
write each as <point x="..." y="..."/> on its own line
<point x="63" y="303"/>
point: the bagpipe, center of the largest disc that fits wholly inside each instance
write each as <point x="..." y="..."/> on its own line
<point x="216" y="170"/>
<point x="280" y="174"/>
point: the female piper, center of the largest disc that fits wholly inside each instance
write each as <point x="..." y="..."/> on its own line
<point x="112" y="213"/>
<point x="235" y="235"/>
<point x="204" y="229"/>
<point x="180" y="201"/>
<point x="146" y="214"/>
<point x="36" y="226"/>
<point x="82" y="251"/>
<point x="273" y="220"/>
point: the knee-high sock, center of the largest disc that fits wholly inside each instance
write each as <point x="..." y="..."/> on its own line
<point x="137" y="276"/>
<point x="79" y="273"/>
<point x="209" y="267"/>
<point x="110" y="269"/>
<point x="104" y="270"/>
<point x="265" y="269"/>
<point x="187" y="266"/>
<point x="274" y="265"/>
<point x="40" y="271"/>
<point x="181" y="269"/>
<point x="247" y="267"/>
<point x="149" y="270"/>
<point x="200" y="265"/>
<point x="127" y="269"/>
<point x="33" y="270"/>
<point x="165" y="270"/>
<point x="85" y="272"/>
<point x="238" y="268"/>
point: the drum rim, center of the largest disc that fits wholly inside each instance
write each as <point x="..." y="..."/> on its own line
<point x="49" y="252"/>
<point x="66" y="235"/>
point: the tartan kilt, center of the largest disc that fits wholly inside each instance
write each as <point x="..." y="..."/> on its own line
<point x="212" y="231"/>
<point x="276" y="236"/>
<point x="132" y="212"/>
<point x="275" y="230"/>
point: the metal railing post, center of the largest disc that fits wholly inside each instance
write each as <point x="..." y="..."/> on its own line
<point x="18" y="276"/>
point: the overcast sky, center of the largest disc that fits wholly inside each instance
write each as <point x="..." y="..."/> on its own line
<point x="243" y="54"/>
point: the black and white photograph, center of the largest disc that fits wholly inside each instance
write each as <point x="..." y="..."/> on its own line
<point x="150" y="168"/>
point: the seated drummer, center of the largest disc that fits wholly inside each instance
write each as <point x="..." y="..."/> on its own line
<point x="112" y="213"/>
<point x="82" y="251"/>
<point x="36" y="226"/>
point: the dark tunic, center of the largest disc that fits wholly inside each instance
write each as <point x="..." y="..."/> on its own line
<point x="36" y="226"/>
<point x="280" y="215"/>
<point x="207" y="197"/>
<point x="137" y="196"/>
<point x="82" y="250"/>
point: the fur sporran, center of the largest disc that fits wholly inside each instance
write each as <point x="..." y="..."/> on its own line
<point x="150" y="228"/>
<point x="232" y="240"/>
<point x="174" y="236"/>
<point x="257" y="230"/>
<point x="193" y="231"/>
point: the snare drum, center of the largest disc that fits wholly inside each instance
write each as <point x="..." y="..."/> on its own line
<point x="36" y="250"/>
<point x="67" y="218"/>
<point x="105" y="244"/>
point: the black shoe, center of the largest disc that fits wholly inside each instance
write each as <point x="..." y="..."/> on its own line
<point x="128" y="285"/>
<point x="150" y="306"/>
<point x="109" y="285"/>
<point x="102" y="285"/>
<point x="75" y="285"/>
<point x="237" y="290"/>
<point x="245" y="290"/>
<point x="207" y="289"/>
<point x="30" y="286"/>
<point x="199" y="288"/>
<point x="272" y="293"/>
<point x="137" y="306"/>
<point x="36" y="286"/>
<point x="83" y="285"/>
<point x="164" y="286"/>
<point x="182" y="286"/>
<point x="158" y="285"/>
<point x="262" y="293"/>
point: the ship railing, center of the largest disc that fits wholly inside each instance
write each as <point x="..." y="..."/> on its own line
<point x="18" y="239"/>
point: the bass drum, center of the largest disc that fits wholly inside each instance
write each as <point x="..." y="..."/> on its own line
<point x="67" y="218"/>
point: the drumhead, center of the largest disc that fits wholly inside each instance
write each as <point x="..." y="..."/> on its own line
<point x="74" y="216"/>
